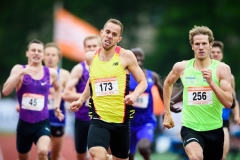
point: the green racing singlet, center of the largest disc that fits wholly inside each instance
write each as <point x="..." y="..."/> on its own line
<point x="202" y="111"/>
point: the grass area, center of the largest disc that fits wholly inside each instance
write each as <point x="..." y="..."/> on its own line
<point x="172" y="156"/>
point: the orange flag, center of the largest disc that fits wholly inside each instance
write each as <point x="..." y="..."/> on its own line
<point x="158" y="106"/>
<point x="69" y="33"/>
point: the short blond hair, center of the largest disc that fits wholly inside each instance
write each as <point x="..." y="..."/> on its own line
<point x="93" y="36"/>
<point x="52" y="44"/>
<point x="201" y="30"/>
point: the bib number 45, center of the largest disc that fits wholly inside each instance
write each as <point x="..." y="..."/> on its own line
<point x="33" y="102"/>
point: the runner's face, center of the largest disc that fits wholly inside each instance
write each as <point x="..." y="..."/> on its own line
<point x="201" y="46"/>
<point x="110" y="35"/>
<point x="51" y="57"/>
<point x="140" y="58"/>
<point x="91" y="45"/>
<point x="35" y="53"/>
<point x="216" y="53"/>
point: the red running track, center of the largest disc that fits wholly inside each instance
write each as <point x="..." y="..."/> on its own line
<point x="9" y="152"/>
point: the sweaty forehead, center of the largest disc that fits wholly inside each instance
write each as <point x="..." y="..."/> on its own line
<point x="51" y="50"/>
<point x="112" y="27"/>
<point x="200" y="38"/>
<point x="215" y="48"/>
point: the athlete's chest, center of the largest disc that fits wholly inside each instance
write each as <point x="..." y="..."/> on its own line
<point x="106" y="69"/>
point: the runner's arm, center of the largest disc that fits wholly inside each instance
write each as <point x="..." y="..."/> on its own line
<point x="69" y="93"/>
<point x="57" y="88"/>
<point x="168" y="85"/>
<point x="224" y="91"/>
<point x="13" y="80"/>
<point x="86" y="94"/>
<point x="236" y="108"/>
<point x="137" y="73"/>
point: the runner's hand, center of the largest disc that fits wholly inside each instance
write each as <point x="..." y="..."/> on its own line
<point x="168" y="121"/>
<point x="30" y="69"/>
<point x="207" y="73"/>
<point x="130" y="99"/>
<point x="58" y="114"/>
<point x="75" y="105"/>
<point x="17" y="108"/>
<point x="237" y="120"/>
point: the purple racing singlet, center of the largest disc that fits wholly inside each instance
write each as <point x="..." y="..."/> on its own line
<point x="82" y="113"/>
<point x="54" y="121"/>
<point x="33" y="97"/>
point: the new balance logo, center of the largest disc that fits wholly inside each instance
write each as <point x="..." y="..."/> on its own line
<point x="115" y="63"/>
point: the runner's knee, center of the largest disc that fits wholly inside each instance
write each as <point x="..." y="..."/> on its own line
<point x="195" y="156"/>
<point x="97" y="154"/>
<point x="42" y="153"/>
<point x="143" y="149"/>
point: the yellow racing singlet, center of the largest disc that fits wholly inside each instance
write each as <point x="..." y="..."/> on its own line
<point x="109" y="84"/>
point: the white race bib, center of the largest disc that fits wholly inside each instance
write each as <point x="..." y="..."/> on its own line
<point x="199" y="95"/>
<point x="106" y="86"/>
<point x="50" y="102"/>
<point x="33" y="102"/>
<point x="142" y="101"/>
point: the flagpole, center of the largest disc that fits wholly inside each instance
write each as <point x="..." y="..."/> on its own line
<point x="58" y="4"/>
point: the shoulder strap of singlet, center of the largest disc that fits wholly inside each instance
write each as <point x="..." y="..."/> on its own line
<point x="149" y="73"/>
<point x="46" y="72"/>
<point x="97" y="51"/>
<point x="117" y="49"/>
<point x="83" y="65"/>
<point x="58" y="71"/>
<point x="190" y="63"/>
<point x="214" y="63"/>
<point x="24" y="66"/>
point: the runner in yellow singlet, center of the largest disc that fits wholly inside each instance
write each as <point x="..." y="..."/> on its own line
<point x="108" y="89"/>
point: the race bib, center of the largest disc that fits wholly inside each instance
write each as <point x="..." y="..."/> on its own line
<point x="33" y="102"/>
<point x="50" y="102"/>
<point x="142" y="101"/>
<point x="199" y="95"/>
<point x="106" y="86"/>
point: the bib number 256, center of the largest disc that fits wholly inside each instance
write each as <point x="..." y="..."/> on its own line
<point x="199" y="96"/>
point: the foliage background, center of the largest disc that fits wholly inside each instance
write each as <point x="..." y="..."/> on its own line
<point x="159" y="27"/>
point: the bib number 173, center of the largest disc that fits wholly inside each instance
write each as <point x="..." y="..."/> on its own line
<point x="106" y="86"/>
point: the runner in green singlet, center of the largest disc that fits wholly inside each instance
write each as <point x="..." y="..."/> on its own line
<point x="207" y="86"/>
